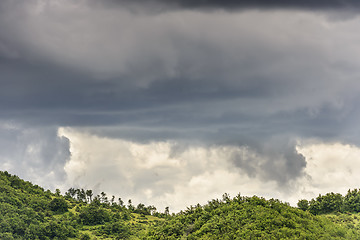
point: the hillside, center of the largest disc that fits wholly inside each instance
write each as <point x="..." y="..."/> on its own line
<point x="250" y="218"/>
<point x="28" y="211"/>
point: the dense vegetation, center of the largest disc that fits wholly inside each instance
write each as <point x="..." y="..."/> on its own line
<point x="249" y="218"/>
<point x="27" y="211"/>
<point x="333" y="202"/>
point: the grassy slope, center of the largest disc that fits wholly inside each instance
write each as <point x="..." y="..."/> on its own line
<point x="347" y="220"/>
<point x="137" y="221"/>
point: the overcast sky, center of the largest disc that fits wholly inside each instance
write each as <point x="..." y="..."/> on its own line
<point x="171" y="103"/>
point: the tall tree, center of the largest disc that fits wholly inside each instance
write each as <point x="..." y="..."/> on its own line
<point x="71" y="192"/>
<point x="121" y="202"/>
<point x="104" y="198"/>
<point x="89" y="194"/>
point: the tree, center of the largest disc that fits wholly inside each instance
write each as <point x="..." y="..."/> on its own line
<point x="226" y="197"/>
<point x="152" y="209"/>
<point x="89" y="194"/>
<point x="58" y="205"/>
<point x="94" y="214"/>
<point x="71" y="192"/>
<point x="130" y="206"/>
<point x="141" y="209"/>
<point x="104" y="198"/>
<point x="331" y="202"/>
<point x="81" y="195"/>
<point x="352" y="201"/>
<point x="57" y="192"/>
<point x="167" y="211"/>
<point x="303" y="204"/>
<point x="121" y="202"/>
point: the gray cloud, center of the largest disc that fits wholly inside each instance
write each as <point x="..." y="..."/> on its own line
<point x="239" y="4"/>
<point x="36" y="154"/>
<point x="277" y="161"/>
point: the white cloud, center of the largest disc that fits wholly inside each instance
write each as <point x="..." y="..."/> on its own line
<point x="331" y="167"/>
<point x="150" y="173"/>
<point x="161" y="174"/>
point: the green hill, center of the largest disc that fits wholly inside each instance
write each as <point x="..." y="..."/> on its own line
<point x="27" y="211"/>
<point x="249" y="218"/>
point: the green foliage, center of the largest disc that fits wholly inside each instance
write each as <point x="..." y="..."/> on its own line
<point x="94" y="214"/>
<point x="27" y="211"/>
<point x="303" y="204"/>
<point x="247" y="218"/>
<point x="119" y="229"/>
<point x="85" y="237"/>
<point x="333" y="202"/>
<point x="352" y="201"/>
<point x="58" y="205"/>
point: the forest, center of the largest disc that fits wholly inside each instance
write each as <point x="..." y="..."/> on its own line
<point x="28" y="211"/>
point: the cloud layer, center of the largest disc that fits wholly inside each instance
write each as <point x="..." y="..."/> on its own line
<point x="240" y="4"/>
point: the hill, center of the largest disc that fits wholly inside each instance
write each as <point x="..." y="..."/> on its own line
<point x="249" y="218"/>
<point x="28" y="211"/>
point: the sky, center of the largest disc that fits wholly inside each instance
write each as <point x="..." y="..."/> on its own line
<point x="173" y="103"/>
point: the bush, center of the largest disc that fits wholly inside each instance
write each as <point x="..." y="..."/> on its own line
<point x="58" y="205"/>
<point x="92" y="215"/>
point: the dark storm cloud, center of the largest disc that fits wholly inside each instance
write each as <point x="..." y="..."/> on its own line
<point x="277" y="161"/>
<point x="176" y="109"/>
<point x="239" y="4"/>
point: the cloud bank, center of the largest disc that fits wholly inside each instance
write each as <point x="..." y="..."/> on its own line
<point x="160" y="172"/>
<point x="240" y="4"/>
